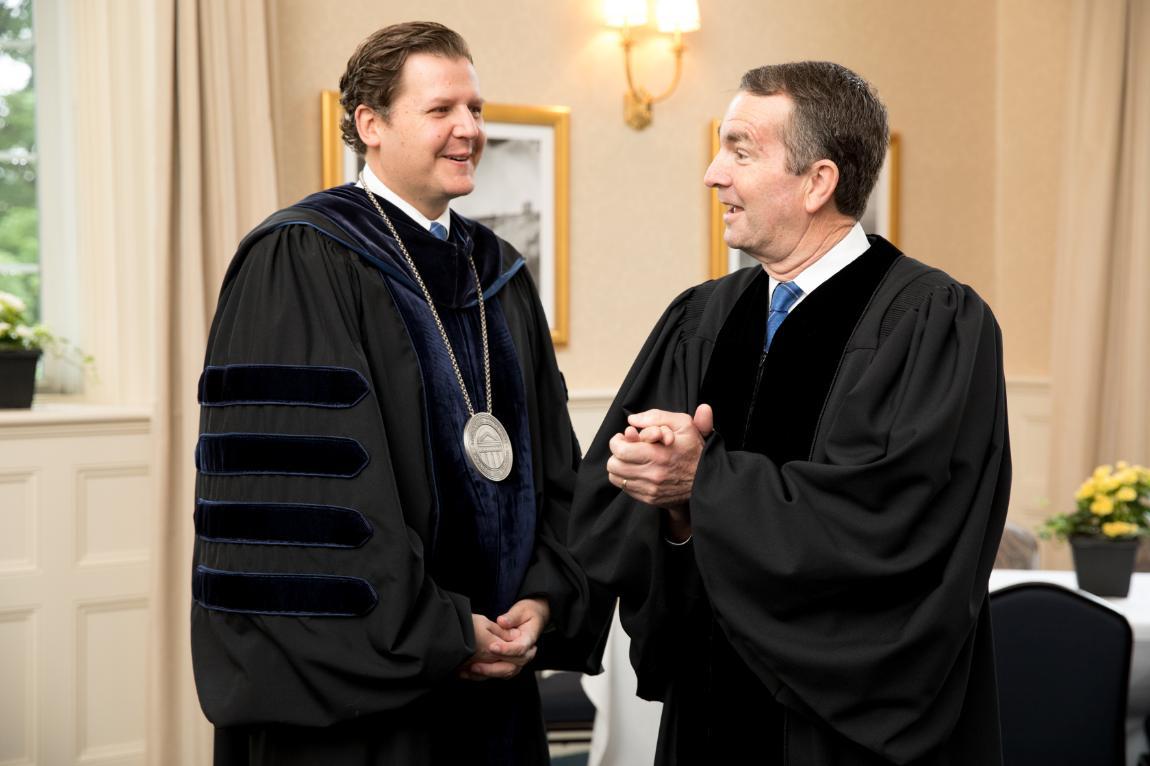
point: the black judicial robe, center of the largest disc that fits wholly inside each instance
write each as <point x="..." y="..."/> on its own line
<point x="831" y="608"/>
<point x="337" y="561"/>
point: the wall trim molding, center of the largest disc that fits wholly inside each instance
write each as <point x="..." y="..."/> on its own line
<point x="74" y="419"/>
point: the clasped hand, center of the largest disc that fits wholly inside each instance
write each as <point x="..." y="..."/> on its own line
<point x="504" y="646"/>
<point x="655" y="459"/>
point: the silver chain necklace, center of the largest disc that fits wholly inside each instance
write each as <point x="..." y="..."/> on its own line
<point x="485" y="440"/>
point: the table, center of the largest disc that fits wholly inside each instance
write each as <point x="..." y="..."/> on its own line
<point x="626" y="727"/>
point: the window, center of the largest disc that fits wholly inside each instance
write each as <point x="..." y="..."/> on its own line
<point x="19" y="217"/>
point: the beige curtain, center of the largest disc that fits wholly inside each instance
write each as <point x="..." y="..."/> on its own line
<point x="1100" y="369"/>
<point x="216" y="181"/>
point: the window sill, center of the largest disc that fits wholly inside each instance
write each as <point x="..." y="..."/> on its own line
<point x="54" y="413"/>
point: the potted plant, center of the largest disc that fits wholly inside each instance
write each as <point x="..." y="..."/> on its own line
<point x="21" y="345"/>
<point x="1113" y="514"/>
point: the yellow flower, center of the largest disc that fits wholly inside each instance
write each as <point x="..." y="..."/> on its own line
<point x="1126" y="494"/>
<point x="1118" y="528"/>
<point x="1101" y="472"/>
<point x="1110" y="484"/>
<point x="1127" y="476"/>
<point x="1102" y="505"/>
<point x="1121" y="465"/>
<point x="1086" y="490"/>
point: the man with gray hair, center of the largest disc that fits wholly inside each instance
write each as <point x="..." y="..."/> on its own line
<point x="800" y="487"/>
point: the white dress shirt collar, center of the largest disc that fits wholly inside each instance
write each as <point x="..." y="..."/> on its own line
<point x="835" y="260"/>
<point x="379" y="187"/>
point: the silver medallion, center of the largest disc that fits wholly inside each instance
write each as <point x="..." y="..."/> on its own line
<point x="487" y="446"/>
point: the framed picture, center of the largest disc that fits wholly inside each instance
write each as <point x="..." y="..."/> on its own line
<point x="881" y="216"/>
<point x="340" y="164"/>
<point x="521" y="190"/>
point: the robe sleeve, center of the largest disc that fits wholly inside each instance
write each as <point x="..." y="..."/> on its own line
<point x="622" y="543"/>
<point x="378" y="632"/>
<point x="857" y="579"/>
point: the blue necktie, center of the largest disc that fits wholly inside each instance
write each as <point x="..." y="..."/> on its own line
<point x="438" y="230"/>
<point x="784" y="296"/>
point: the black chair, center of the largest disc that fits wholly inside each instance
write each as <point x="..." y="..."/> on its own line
<point x="567" y="712"/>
<point x="1063" y="661"/>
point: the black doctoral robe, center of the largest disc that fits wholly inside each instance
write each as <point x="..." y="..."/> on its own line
<point x="831" y="608"/>
<point x="340" y="549"/>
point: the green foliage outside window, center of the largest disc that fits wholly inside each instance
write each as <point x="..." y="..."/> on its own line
<point x="19" y="220"/>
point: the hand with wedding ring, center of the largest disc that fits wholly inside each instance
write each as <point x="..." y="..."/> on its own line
<point x="654" y="460"/>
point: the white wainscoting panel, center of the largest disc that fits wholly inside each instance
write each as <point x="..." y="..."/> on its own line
<point x="1029" y="402"/>
<point x="111" y="647"/>
<point x="18" y="687"/>
<point x="587" y="409"/>
<point x="1029" y="407"/>
<point x="75" y="519"/>
<point x="18" y="506"/>
<point x="112" y="519"/>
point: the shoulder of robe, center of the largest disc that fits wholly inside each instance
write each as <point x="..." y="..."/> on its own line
<point x="319" y="233"/>
<point x="702" y="309"/>
<point x="910" y="284"/>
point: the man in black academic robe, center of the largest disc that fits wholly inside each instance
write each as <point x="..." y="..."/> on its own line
<point x="363" y="594"/>
<point x="798" y="502"/>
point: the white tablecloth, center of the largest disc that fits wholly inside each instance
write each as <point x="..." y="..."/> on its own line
<point x="626" y="727"/>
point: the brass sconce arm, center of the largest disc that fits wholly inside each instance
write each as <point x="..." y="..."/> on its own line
<point x="638" y="101"/>
<point x="673" y="17"/>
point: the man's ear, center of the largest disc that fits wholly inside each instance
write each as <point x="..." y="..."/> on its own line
<point x="822" y="180"/>
<point x="368" y="123"/>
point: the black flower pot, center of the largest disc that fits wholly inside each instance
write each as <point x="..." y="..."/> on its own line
<point x="1104" y="566"/>
<point x="17" y="378"/>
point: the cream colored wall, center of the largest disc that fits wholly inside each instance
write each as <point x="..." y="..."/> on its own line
<point x="1033" y="51"/>
<point x="1033" y="42"/>
<point x="963" y="83"/>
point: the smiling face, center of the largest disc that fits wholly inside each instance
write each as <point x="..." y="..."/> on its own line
<point x="765" y="210"/>
<point x="428" y="146"/>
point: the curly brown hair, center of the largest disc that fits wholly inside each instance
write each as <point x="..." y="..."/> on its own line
<point x="837" y="116"/>
<point x="373" y="72"/>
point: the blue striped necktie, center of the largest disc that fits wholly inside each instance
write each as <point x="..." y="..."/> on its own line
<point x="438" y="230"/>
<point x="784" y="296"/>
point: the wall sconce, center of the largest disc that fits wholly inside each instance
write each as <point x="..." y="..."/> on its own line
<point x="671" y="16"/>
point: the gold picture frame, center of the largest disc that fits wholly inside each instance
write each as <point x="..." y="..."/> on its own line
<point x="881" y="217"/>
<point x="331" y="138"/>
<point x="521" y="190"/>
